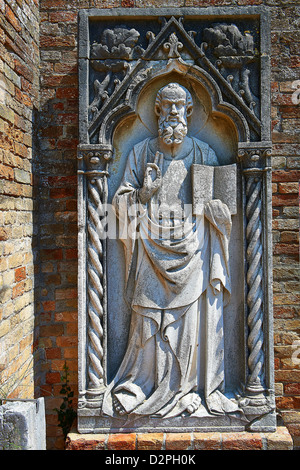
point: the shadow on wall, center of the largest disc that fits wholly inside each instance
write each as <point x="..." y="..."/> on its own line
<point x="55" y="248"/>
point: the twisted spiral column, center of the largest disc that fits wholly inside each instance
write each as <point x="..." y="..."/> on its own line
<point x="254" y="282"/>
<point x="95" y="283"/>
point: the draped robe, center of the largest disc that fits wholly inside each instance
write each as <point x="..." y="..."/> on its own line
<point x="177" y="279"/>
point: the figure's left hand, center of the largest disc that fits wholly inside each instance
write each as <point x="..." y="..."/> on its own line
<point x="218" y="210"/>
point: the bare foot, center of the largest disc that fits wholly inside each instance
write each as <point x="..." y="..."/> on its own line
<point x="191" y="402"/>
<point x="118" y="407"/>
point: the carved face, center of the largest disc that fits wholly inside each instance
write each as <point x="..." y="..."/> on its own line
<point x="172" y="108"/>
<point x="173" y="105"/>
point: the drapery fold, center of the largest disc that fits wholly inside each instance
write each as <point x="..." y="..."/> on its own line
<point x="168" y="280"/>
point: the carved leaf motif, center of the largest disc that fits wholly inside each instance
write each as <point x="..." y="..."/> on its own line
<point x="234" y="51"/>
<point x="101" y="94"/>
<point x="115" y="43"/>
<point x="227" y="40"/>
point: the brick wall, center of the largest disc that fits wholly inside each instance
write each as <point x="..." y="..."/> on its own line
<point x="286" y="177"/>
<point x="55" y="220"/>
<point x="57" y="224"/>
<point x="19" y="84"/>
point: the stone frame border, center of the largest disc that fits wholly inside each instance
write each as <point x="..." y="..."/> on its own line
<point x="254" y="158"/>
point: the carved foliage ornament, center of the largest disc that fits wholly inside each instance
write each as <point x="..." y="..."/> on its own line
<point x="234" y="51"/>
<point x="224" y="45"/>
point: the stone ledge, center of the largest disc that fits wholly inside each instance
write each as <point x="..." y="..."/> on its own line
<point x="279" y="440"/>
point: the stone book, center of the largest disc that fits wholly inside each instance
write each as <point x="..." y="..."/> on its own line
<point x="214" y="182"/>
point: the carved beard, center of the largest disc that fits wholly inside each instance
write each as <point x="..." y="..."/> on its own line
<point x="172" y="135"/>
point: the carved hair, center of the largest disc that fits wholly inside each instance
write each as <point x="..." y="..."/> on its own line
<point x="189" y="99"/>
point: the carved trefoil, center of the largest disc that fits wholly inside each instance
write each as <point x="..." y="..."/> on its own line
<point x="175" y="285"/>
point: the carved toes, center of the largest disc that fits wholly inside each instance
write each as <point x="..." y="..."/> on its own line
<point x="118" y="407"/>
<point x="191" y="402"/>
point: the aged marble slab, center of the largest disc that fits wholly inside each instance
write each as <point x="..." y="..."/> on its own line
<point x="175" y="306"/>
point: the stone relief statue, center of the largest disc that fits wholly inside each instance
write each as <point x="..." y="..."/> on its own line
<point x="177" y="272"/>
<point x="193" y="218"/>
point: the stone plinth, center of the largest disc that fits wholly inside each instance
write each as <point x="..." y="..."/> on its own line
<point x="279" y="440"/>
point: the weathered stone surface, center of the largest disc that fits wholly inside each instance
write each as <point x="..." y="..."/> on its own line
<point x="150" y="441"/>
<point x="147" y="114"/>
<point x="23" y="425"/>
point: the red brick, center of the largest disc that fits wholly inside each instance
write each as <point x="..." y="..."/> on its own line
<point x="67" y="293"/>
<point x="12" y="18"/>
<point x="289" y="188"/>
<point x="292" y="389"/>
<point x="286" y="175"/>
<point x="207" y="441"/>
<point x="66" y="316"/>
<point x="241" y="441"/>
<point x="178" y="441"/>
<point x="127" y="3"/>
<point x="71" y="205"/>
<point x="52" y="279"/>
<point x="53" y="353"/>
<point x="67" y="93"/>
<point x="285" y="248"/>
<point x="53" y="377"/>
<point x="48" y="305"/>
<point x="63" y="96"/>
<point x="24" y="70"/>
<point x="21" y="149"/>
<point x="72" y="329"/>
<point x="45" y="317"/>
<point x="51" y="132"/>
<point x="294" y="429"/>
<point x="62" y="181"/>
<point x="285" y="199"/>
<point x="284" y="312"/>
<point x="65" y="68"/>
<point x="71" y="253"/>
<point x="121" y="441"/>
<point x="60" y="80"/>
<point x="28" y="87"/>
<point x="55" y="41"/>
<point x="89" y="442"/>
<point x="64" y="341"/>
<point x="51" y="330"/>
<point x="63" y="16"/>
<point x="46" y="390"/>
<point x="52" y="254"/>
<point x="289" y="237"/>
<point x="70" y="353"/>
<point x="58" y="106"/>
<point x="20" y="274"/>
<point x="276" y="363"/>
<point x="23" y="98"/>
<point x="6" y="172"/>
<point x="289" y="112"/>
<point x="67" y="144"/>
<point x="57" y="4"/>
<point x="67" y="118"/>
<point x="287" y="403"/>
<point x="18" y="290"/>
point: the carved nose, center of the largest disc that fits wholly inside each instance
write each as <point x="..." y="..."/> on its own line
<point x="174" y="109"/>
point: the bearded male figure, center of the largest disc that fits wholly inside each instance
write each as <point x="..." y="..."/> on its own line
<point x="177" y="275"/>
